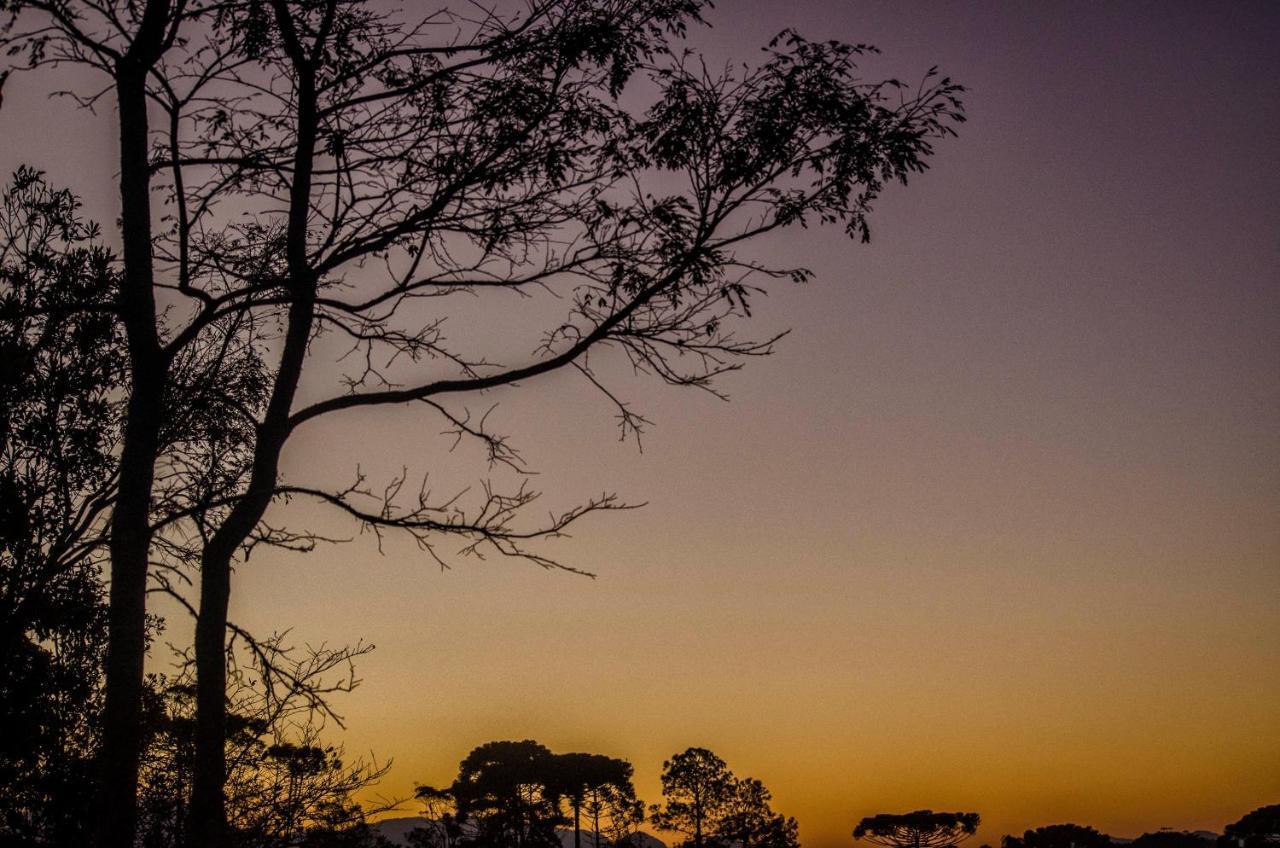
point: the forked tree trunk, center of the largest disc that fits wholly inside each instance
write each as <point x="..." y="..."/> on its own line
<point x="208" y="827"/>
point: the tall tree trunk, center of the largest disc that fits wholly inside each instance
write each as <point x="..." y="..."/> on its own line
<point x="207" y="823"/>
<point x="130" y="531"/>
<point x="208" y="806"/>
<point x="577" y="822"/>
<point x="208" y="827"/>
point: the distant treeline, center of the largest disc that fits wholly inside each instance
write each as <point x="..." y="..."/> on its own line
<point x="512" y="794"/>
<point x="521" y="795"/>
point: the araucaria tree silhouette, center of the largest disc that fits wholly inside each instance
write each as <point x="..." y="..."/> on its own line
<point x="511" y="793"/>
<point x="509" y="790"/>
<point x="921" y="829"/>
<point x="597" y="783"/>
<point x="328" y="169"/>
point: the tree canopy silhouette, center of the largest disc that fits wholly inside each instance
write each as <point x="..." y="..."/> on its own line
<point x="1059" y="836"/>
<point x="1171" y="839"/>
<point x="920" y="829"/>
<point x="327" y="167"/>
<point x="1257" y="829"/>
<point x="595" y="781"/>
<point x="512" y="793"/>
<point x="707" y="803"/>
<point x="57" y="433"/>
<point x="752" y="823"/>
<point x="510" y="790"/>
<point x="59" y="427"/>
<point x="697" y="788"/>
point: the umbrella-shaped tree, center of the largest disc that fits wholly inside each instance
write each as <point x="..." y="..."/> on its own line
<point x="921" y="829"/>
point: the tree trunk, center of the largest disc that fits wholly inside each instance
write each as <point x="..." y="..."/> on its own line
<point x="208" y="827"/>
<point x="207" y="823"/>
<point x="595" y="819"/>
<point x="697" y="819"/>
<point x="208" y="804"/>
<point x="130" y="531"/>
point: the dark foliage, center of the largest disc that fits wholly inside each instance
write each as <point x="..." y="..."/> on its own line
<point x="323" y="166"/>
<point x="1257" y="829"/>
<point x="697" y="789"/>
<point x="920" y="829"/>
<point x="1171" y="839"/>
<point x="704" y="801"/>
<point x="58" y="419"/>
<point x="511" y="793"/>
<point x="285" y="785"/>
<point x="600" y="784"/>
<point x="519" y="793"/>
<point x="1059" y="836"/>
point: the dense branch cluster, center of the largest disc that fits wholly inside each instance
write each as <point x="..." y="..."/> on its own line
<point x="313" y="195"/>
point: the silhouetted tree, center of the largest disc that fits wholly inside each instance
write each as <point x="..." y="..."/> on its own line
<point x="371" y="167"/>
<point x="285" y="784"/>
<point x="444" y="827"/>
<point x="621" y="813"/>
<point x="1059" y="836"/>
<point x="703" y="800"/>
<point x="142" y="35"/>
<point x="510" y="791"/>
<point x="1168" y="838"/>
<point x="921" y="829"/>
<point x="57" y="434"/>
<point x="590" y="778"/>
<point x="751" y="822"/>
<point x="1258" y="829"/>
<point x="63" y="379"/>
<point x="697" y="790"/>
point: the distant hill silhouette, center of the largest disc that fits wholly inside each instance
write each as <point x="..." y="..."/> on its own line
<point x="1205" y="835"/>
<point x="397" y="831"/>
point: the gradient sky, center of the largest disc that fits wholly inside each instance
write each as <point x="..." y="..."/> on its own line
<point x="997" y="528"/>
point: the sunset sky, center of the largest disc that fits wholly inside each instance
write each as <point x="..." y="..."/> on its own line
<point x="996" y="529"/>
